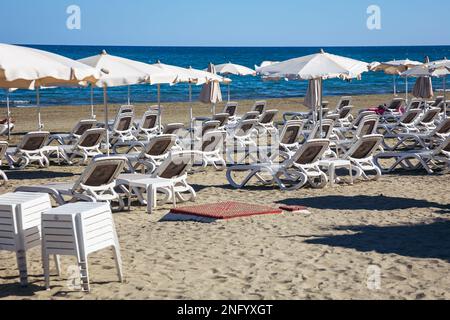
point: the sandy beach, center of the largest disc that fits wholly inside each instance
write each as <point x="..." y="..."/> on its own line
<point x="398" y="225"/>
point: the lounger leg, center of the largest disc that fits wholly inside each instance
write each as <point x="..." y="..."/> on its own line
<point x="151" y="197"/>
<point x="58" y="264"/>
<point x="21" y="257"/>
<point x="46" y="264"/>
<point x="332" y="174"/>
<point x="84" y="274"/>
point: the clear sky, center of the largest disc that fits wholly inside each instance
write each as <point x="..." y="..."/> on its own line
<point x="226" y="23"/>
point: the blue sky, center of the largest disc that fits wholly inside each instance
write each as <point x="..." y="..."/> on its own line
<point x="225" y="23"/>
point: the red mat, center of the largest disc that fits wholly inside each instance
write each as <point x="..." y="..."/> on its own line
<point x="226" y="210"/>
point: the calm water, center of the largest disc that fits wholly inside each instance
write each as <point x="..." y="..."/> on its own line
<point x="242" y="87"/>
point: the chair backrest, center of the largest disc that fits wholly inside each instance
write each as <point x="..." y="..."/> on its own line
<point x="102" y="171"/>
<point x="173" y="128"/>
<point x="250" y="115"/>
<point x="92" y="138"/>
<point x="268" y="117"/>
<point x="443" y="127"/>
<point x="160" y="145"/>
<point x="231" y="108"/>
<point x="245" y="127"/>
<point x="175" y="166"/>
<point x="364" y="147"/>
<point x="291" y="132"/>
<point x="124" y="122"/>
<point x="212" y="141"/>
<point x="396" y="104"/>
<point x="345" y="112"/>
<point x="260" y="106"/>
<point x="311" y="151"/>
<point x="411" y="116"/>
<point x="210" y="126"/>
<point x="33" y="141"/>
<point x="430" y="115"/>
<point x="222" y="118"/>
<point x="367" y="126"/>
<point x="361" y="116"/>
<point x="327" y="130"/>
<point x="344" y="102"/>
<point x="83" y="126"/>
<point x="149" y="120"/>
<point x="3" y="147"/>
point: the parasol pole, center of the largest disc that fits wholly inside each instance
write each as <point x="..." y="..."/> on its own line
<point x="93" y="116"/>
<point x="129" y="96"/>
<point x="407" y="97"/>
<point x="38" y="102"/>
<point x="445" y="97"/>
<point x="105" y="104"/>
<point x="321" y="107"/>
<point x="8" y="115"/>
<point x="229" y="92"/>
<point x="159" y="109"/>
<point x="395" y="85"/>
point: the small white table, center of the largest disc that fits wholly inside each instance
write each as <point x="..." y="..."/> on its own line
<point x="20" y="225"/>
<point x="331" y="166"/>
<point x="151" y="185"/>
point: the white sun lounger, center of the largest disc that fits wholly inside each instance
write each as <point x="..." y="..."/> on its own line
<point x="29" y="150"/>
<point x="88" y="146"/>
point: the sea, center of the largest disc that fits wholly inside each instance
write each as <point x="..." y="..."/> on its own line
<point x="242" y="87"/>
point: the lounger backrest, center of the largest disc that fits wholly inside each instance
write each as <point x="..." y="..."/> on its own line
<point x="361" y="116"/>
<point x="83" y="126"/>
<point x="101" y="171"/>
<point x="344" y="102"/>
<point x="245" y="127"/>
<point x="291" y="132"/>
<point x="160" y="145"/>
<point x="396" y="104"/>
<point x="231" y="108"/>
<point x="444" y="127"/>
<point x="222" y="118"/>
<point x="327" y="130"/>
<point x="3" y="147"/>
<point x="345" y="111"/>
<point x="210" y="126"/>
<point x="431" y="115"/>
<point x="411" y="116"/>
<point x="212" y="141"/>
<point x="438" y="101"/>
<point x="126" y="109"/>
<point x="123" y="122"/>
<point x="415" y="104"/>
<point x="149" y="120"/>
<point x="260" y="107"/>
<point x="368" y="125"/>
<point x="173" y="128"/>
<point x="268" y="116"/>
<point x="365" y="147"/>
<point x="175" y="166"/>
<point x="34" y="141"/>
<point x="92" y="138"/>
<point x="250" y="115"/>
<point x="311" y="151"/>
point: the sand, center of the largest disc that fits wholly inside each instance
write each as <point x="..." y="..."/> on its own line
<point x="397" y="226"/>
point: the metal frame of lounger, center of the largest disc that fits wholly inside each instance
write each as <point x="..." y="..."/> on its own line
<point x="296" y="171"/>
<point x="424" y="158"/>
<point x="29" y="154"/>
<point x="88" y="146"/>
<point x="88" y="187"/>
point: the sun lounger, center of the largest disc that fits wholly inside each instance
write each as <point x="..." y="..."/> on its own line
<point x="428" y="120"/>
<point x="147" y="128"/>
<point x="292" y="174"/>
<point x="88" y="146"/>
<point x="170" y="178"/>
<point x="425" y="158"/>
<point x="96" y="183"/>
<point x="289" y="138"/>
<point x="231" y="110"/>
<point x="241" y="138"/>
<point x="70" y="138"/>
<point x="406" y="124"/>
<point x="152" y="154"/>
<point x="30" y="150"/>
<point x="210" y="150"/>
<point x="3" y="148"/>
<point x="259" y="106"/>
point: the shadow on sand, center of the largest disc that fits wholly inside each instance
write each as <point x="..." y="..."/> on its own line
<point x="37" y="175"/>
<point x="422" y="241"/>
<point x="377" y="203"/>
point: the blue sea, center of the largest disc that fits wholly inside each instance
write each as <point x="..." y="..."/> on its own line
<point x="242" y="87"/>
